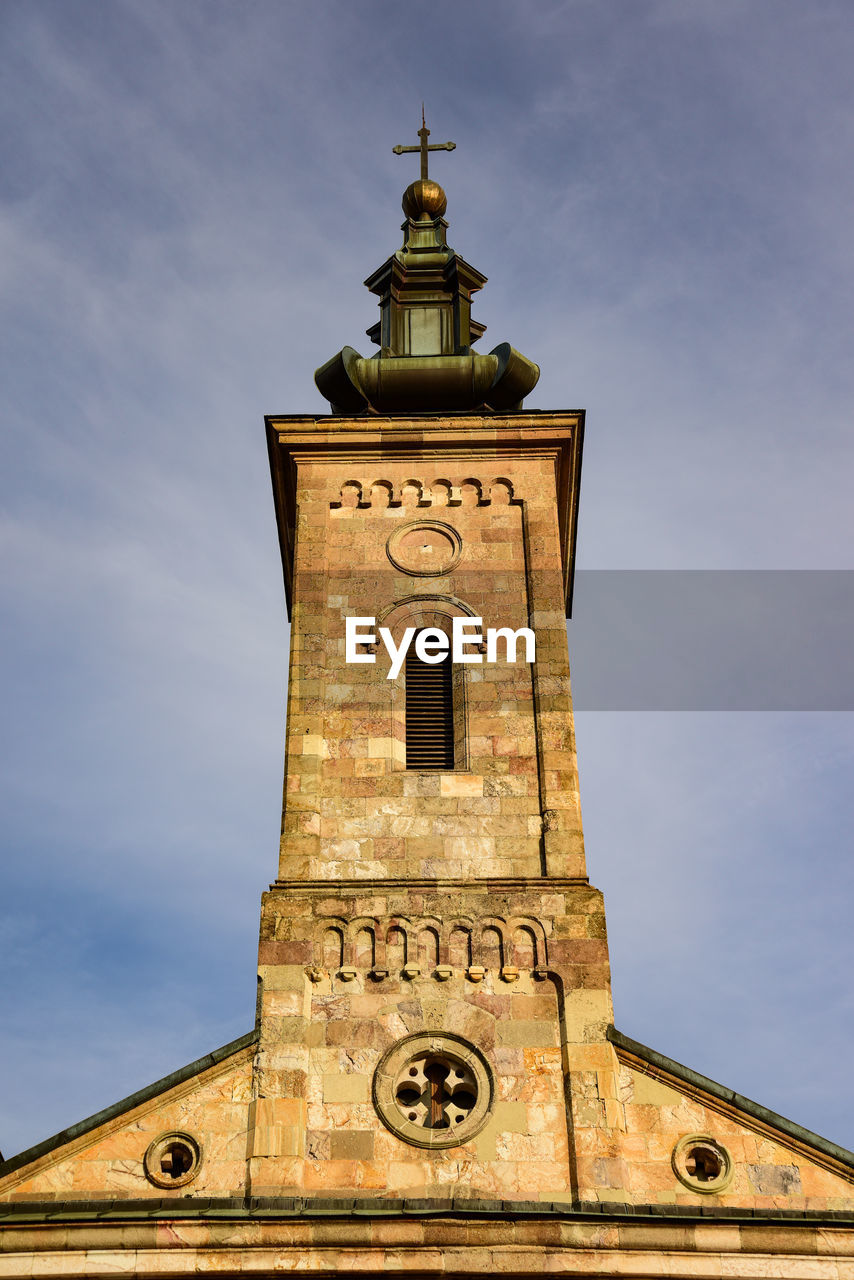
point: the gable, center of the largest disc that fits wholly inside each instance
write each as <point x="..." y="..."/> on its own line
<point x="185" y="1134"/>
<point x="690" y="1141"/>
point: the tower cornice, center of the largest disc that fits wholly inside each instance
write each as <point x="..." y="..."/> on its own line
<point x="296" y="438"/>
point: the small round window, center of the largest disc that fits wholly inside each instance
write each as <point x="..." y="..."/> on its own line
<point x="173" y="1160"/>
<point x="702" y="1164"/>
<point x="433" y="1090"/>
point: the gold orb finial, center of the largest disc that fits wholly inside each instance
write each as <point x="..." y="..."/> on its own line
<point x="424" y="199"/>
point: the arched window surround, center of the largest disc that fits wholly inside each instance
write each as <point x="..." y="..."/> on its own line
<point x="422" y="611"/>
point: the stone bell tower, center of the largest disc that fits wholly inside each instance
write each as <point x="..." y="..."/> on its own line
<point x="433" y="958"/>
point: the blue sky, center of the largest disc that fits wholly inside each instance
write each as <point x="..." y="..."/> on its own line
<point x="192" y="194"/>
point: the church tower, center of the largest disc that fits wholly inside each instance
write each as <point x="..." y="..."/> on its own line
<point x="433" y="965"/>
<point x="433" y="1083"/>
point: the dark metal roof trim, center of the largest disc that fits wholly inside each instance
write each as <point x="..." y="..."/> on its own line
<point x="459" y="1207"/>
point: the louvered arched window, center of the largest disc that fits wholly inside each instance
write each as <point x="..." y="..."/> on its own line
<point x="429" y="712"/>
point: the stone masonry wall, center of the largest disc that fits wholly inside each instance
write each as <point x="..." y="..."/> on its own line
<point x="351" y="808"/>
<point x="519" y="971"/>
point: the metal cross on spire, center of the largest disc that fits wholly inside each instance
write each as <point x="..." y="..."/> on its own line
<point x="424" y="134"/>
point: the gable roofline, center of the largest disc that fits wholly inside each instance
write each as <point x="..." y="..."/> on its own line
<point x="636" y="1054"/>
<point x="128" y="1104"/>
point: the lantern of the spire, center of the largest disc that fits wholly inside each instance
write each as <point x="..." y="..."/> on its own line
<point x="425" y="331"/>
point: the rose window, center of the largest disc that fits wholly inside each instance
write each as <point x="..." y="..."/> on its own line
<point x="435" y="1092"/>
<point x="433" y="1089"/>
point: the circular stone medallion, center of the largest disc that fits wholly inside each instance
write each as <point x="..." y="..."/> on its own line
<point x="425" y="548"/>
<point x="433" y="1090"/>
